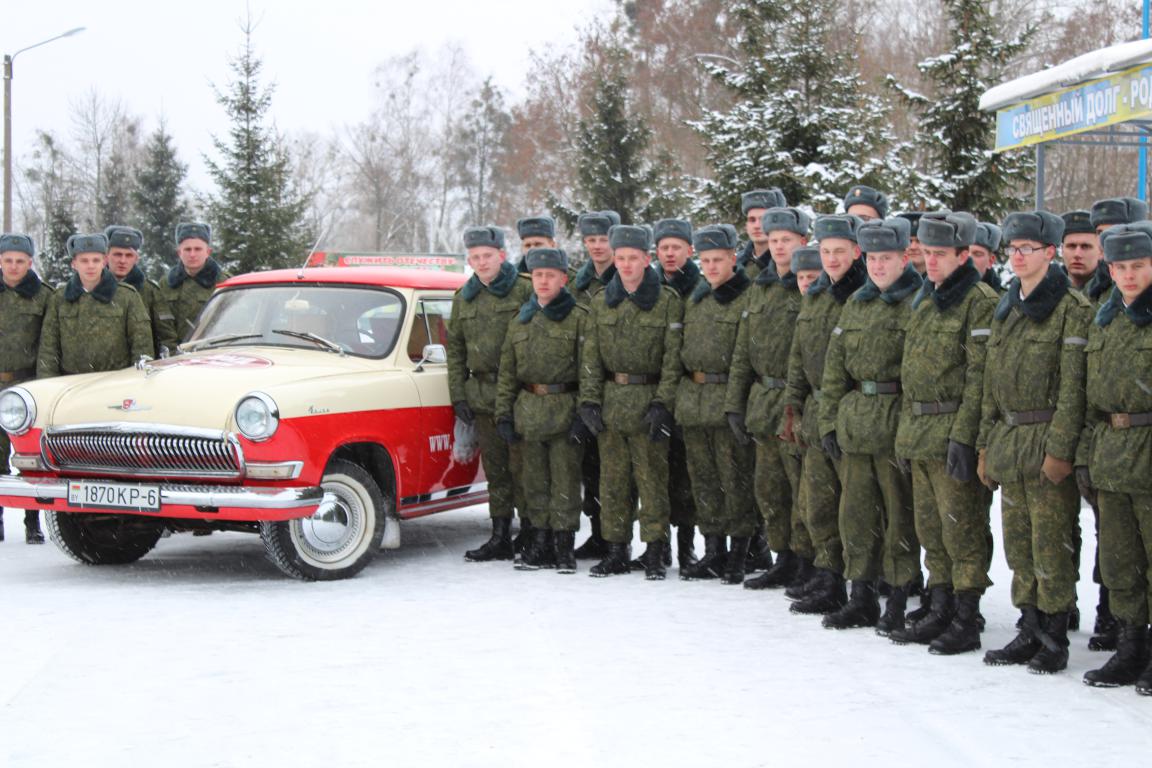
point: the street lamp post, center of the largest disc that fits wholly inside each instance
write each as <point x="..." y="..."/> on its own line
<point x="8" y="121"/>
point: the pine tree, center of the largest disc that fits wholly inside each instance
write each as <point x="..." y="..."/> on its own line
<point x="55" y="265"/>
<point x="476" y="146"/>
<point x="257" y="213"/>
<point x="114" y="204"/>
<point x="159" y="202"/>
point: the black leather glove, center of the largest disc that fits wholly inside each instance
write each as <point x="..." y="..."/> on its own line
<point x="904" y="465"/>
<point x="660" y="422"/>
<point x="1084" y="485"/>
<point x="506" y="428"/>
<point x="831" y="446"/>
<point x="739" y="428"/>
<point x="464" y="412"/>
<point x="579" y="433"/>
<point x="961" y="462"/>
<point x="590" y="415"/>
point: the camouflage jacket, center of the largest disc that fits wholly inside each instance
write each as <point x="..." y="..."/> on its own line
<point x="866" y="350"/>
<point x="944" y="350"/>
<point x="160" y="314"/>
<point x="711" y="323"/>
<point x="480" y="317"/>
<point x="685" y="281"/>
<point x="22" y="311"/>
<point x="1099" y="286"/>
<point x="753" y="265"/>
<point x="543" y="346"/>
<point x="637" y="333"/>
<point x="102" y="330"/>
<point x="186" y="297"/>
<point x="1119" y="354"/>
<point x="584" y="283"/>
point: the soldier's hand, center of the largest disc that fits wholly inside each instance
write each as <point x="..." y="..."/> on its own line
<point x="506" y="428"/>
<point x="1084" y="484"/>
<point x="1056" y="470"/>
<point x="961" y="462"/>
<point x="739" y="428"/>
<point x="464" y="412"/>
<point x="904" y="465"/>
<point x="660" y="422"/>
<point x="579" y="433"/>
<point x="831" y="446"/>
<point x="787" y="431"/>
<point x="982" y="474"/>
<point x="590" y="415"/>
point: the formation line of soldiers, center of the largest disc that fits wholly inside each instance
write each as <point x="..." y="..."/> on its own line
<point x="106" y="316"/>
<point x="847" y="403"/>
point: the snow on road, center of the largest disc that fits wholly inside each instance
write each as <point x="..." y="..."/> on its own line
<point x="202" y="654"/>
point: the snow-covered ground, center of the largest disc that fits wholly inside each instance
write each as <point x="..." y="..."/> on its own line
<point x="202" y="654"/>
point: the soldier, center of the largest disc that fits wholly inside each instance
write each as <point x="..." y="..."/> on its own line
<point x="859" y="410"/>
<point x="1031" y="416"/>
<point x="1115" y="450"/>
<point x="481" y="312"/>
<point x="942" y="376"/>
<point x="536" y="402"/>
<point x="754" y="256"/>
<point x="24" y="300"/>
<point x="843" y="273"/>
<point x="631" y="368"/>
<point x="983" y="252"/>
<point x="754" y="400"/>
<point x="94" y="323"/>
<point x="190" y="283"/>
<point x="720" y="468"/>
<point x="866" y="203"/>
<point x="534" y="232"/>
<point x="914" y="252"/>
<point x="124" y="264"/>
<point x="1083" y="257"/>
<point x="1117" y="210"/>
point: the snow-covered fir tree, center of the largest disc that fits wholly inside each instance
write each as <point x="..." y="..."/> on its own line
<point x="159" y="201"/>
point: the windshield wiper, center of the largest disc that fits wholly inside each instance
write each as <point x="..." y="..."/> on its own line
<point x="329" y="345"/>
<point x="211" y="341"/>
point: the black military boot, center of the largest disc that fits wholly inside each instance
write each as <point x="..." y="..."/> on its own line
<point x="1" y="524"/>
<point x="32" y="532"/>
<point x="759" y="554"/>
<point x="539" y="552"/>
<point x="564" y="541"/>
<point x="618" y="560"/>
<point x="664" y="548"/>
<point x="1144" y="682"/>
<point x="1105" y="631"/>
<point x="654" y="565"/>
<point x="711" y="566"/>
<point x="826" y="596"/>
<point x="893" y="617"/>
<point x="963" y="634"/>
<point x="934" y="622"/>
<point x="807" y="578"/>
<point x="523" y="536"/>
<point x="780" y="574"/>
<point x="1125" y="666"/>
<point x="1022" y="647"/>
<point x="685" y="545"/>
<point x="595" y="547"/>
<point x="921" y="612"/>
<point x="498" y="547"/>
<point x="861" y="610"/>
<point x="1053" y="654"/>
<point x="737" y="563"/>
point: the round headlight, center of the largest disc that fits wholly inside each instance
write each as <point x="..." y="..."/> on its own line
<point x="17" y="410"/>
<point x="257" y="416"/>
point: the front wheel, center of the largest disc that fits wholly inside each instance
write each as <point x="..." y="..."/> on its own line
<point x="96" y="539"/>
<point x="340" y="538"/>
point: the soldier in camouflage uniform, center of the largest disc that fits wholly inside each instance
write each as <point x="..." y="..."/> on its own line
<point x="124" y="264"/>
<point x="721" y="468"/>
<point x="534" y="232"/>
<point x="23" y="303"/>
<point x="536" y="402"/>
<point x="1083" y="257"/>
<point x="481" y="312"/>
<point x="754" y="256"/>
<point x="631" y="368"/>
<point x="190" y="284"/>
<point x="843" y="273"/>
<point x="914" y="252"/>
<point x="1115" y="450"/>
<point x="866" y="203"/>
<point x="755" y="393"/>
<point x="94" y="323"/>
<point x="983" y="252"/>
<point x="1031" y="416"/>
<point x="859" y="409"/>
<point x="942" y="377"/>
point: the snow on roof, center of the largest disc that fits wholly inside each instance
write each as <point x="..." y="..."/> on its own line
<point x="1086" y="67"/>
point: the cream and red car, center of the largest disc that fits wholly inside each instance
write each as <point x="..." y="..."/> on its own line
<point x="310" y="406"/>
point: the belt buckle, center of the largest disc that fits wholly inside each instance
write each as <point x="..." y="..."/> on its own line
<point x="868" y="387"/>
<point x="622" y="378"/>
<point x="1121" y="421"/>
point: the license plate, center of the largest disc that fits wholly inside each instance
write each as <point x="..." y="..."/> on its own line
<point x="114" y="496"/>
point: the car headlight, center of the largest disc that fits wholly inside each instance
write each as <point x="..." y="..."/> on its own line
<point x="17" y="410"/>
<point x="257" y="416"/>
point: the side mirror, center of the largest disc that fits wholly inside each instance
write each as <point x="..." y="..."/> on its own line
<point x="435" y="354"/>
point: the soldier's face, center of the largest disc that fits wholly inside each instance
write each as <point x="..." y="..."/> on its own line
<point x="939" y="263"/>
<point x="884" y="267"/>
<point x="485" y="262"/>
<point x="1081" y="255"/>
<point x="673" y="254"/>
<point x="717" y="266"/>
<point x="863" y="212"/>
<point x="88" y="267"/>
<point x="1132" y="277"/>
<point x="805" y="278"/>
<point x="752" y="226"/>
<point x="528" y="243"/>
<point x="547" y="284"/>
<point x="121" y="261"/>
<point x="1033" y="265"/>
<point x="981" y="258"/>
<point x="915" y="254"/>
<point x="15" y="266"/>
<point x="630" y="263"/>
<point x="598" y="251"/>
<point x="781" y="243"/>
<point x="193" y="254"/>
<point x="837" y="255"/>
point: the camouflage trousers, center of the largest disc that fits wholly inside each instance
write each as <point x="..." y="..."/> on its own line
<point x="681" y="505"/>
<point x="799" y="540"/>
<point x="820" y="479"/>
<point x="1126" y="552"/>
<point x="631" y="463"/>
<point x="1039" y="521"/>
<point x="551" y="481"/>
<point x="952" y="525"/>
<point x="774" y="489"/>
<point x="502" y="468"/>
<point x="721" y="472"/>
<point x="877" y="522"/>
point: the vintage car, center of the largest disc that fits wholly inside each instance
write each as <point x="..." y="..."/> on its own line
<point x="309" y="405"/>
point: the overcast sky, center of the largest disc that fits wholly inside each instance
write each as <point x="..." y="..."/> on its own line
<point x="320" y="55"/>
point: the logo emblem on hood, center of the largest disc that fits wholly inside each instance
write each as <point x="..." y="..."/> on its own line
<point x="129" y="404"/>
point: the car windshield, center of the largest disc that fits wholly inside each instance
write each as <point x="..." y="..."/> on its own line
<point x="338" y="318"/>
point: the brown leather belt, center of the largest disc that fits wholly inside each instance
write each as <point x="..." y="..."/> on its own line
<point x="634" y="378"/>
<point x="771" y="383"/>
<point x="1129" y="420"/>
<point x="7" y="377"/>
<point x="878" y="387"/>
<point x="550" y="389"/>
<point x="701" y="377"/>
<point x="1023" y="418"/>
<point x="490" y="377"/>
<point x="933" y="409"/>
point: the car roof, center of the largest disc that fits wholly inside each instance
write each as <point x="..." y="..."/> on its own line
<point x="396" y="277"/>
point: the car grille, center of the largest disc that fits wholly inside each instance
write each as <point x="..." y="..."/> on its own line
<point x="134" y="452"/>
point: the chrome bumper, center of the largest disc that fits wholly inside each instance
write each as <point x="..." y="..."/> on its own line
<point x="219" y="496"/>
